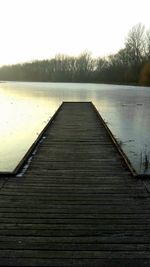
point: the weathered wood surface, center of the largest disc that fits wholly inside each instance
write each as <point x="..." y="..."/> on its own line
<point x="77" y="204"/>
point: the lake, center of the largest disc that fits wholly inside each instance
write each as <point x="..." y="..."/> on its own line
<point x="26" y="108"/>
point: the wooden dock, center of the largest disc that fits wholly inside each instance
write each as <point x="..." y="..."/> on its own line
<point x="78" y="203"/>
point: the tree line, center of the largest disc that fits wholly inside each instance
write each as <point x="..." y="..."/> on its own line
<point x="130" y="65"/>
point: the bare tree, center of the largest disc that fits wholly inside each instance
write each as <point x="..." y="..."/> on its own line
<point x="135" y="44"/>
<point x="148" y="44"/>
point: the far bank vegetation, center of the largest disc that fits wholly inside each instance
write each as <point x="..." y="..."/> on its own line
<point x="131" y="65"/>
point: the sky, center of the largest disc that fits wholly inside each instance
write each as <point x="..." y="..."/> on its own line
<point x="40" y="29"/>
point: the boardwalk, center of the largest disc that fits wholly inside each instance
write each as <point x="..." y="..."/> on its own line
<point x="77" y="204"/>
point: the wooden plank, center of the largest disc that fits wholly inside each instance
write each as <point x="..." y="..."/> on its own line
<point x="58" y="228"/>
<point x="73" y="254"/>
<point x="75" y="262"/>
<point x="44" y="245"/>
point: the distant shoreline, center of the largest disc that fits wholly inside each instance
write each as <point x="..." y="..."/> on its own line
<point x="127" y="84"/>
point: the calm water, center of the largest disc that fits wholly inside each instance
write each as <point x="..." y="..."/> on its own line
<point x="25" y="109"/>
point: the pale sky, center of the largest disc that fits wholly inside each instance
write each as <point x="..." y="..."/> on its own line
<point x="40" y="29"/>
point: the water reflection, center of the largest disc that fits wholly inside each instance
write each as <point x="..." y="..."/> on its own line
<point x="26" y="108"/>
